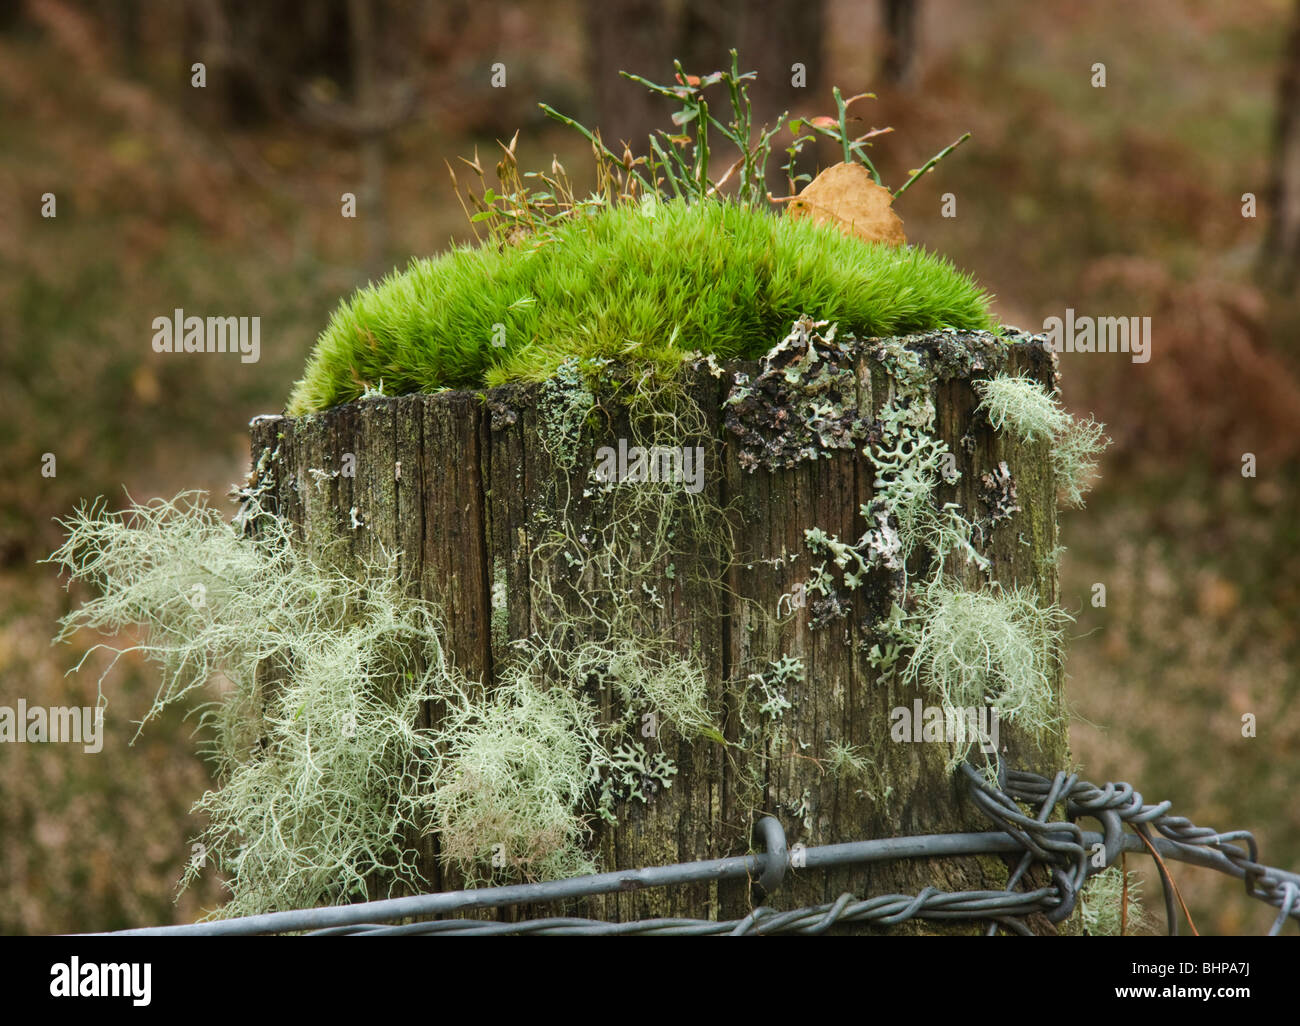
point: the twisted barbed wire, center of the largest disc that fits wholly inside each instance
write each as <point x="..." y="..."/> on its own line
<point x="1067" y="852"/>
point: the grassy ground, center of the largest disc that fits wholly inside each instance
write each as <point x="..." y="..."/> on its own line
<point x="1124" y="200"/>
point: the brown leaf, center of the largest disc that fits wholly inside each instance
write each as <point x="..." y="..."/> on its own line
<point x="846" y="196"/>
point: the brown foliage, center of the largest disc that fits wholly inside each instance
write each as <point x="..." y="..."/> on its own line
<point x="1215" y="384"/>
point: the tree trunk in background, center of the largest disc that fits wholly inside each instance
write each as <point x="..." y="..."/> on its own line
<point x="467" y="491"/>
<point x="260" y="52"/>
<point x="644" y="36"/>
<point x="900" y="20"/>
<point x="616" y="31"/>
<point x="370" y="198"/>
<point x="1280" y="256"/>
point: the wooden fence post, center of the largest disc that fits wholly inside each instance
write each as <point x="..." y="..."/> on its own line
<point x="468" y="487"/>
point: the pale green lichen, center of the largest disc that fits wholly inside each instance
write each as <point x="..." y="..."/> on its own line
<point x="324" y="773"/>
<point x="319" y="760"/>
<point x="802" y="405"/>
<point x="853" y="765"/>
<point x="525" y="765"/>
<point x="970" y="647"/>
<point x="774" y="685"/>
<point x="904" y="514"/>
<point x="634" y="775"/>
<point x="911" y="464"/>
<point x="500" y="625"/>
<point x="997" y="647"/>
<point x="563" y="407"/>
<point x="1101" y="903"/>
<point x="1035" y="415"/>
<point x="518" y="765"/>
<point x="887" y="648"/>
<point x="672" y="688"/>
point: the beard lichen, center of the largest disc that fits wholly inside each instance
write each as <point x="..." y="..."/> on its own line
<point x="319" y="759"/>
<point x="325" y="778"/>
<point x="517" y="765"/>
<point x="994" y="647"/>
<point x="856" y="766"/>
<point x="1034" y="414"/>
<point x="1102" y="903"/>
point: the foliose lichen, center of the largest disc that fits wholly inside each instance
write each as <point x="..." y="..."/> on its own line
<point x="802" y="405"/>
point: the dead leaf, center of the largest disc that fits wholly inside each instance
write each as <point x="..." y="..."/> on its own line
<point x="847" y="197"/>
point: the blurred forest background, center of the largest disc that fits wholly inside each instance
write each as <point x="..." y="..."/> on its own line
<point x="1121" y="200"/>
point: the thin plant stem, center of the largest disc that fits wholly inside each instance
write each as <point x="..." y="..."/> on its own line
<point x="930" y="163"/>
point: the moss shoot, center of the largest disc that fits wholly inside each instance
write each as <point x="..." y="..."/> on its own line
<point x="649" y="282"/>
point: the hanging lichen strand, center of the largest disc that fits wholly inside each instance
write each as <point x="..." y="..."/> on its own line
<point x="1022" y="405"/>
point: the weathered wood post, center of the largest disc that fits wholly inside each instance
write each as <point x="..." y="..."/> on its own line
<point x="489" y="499"/>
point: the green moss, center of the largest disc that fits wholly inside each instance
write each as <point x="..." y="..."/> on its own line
<point x="993" y="870"/>
<point x="712" y="277"/>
